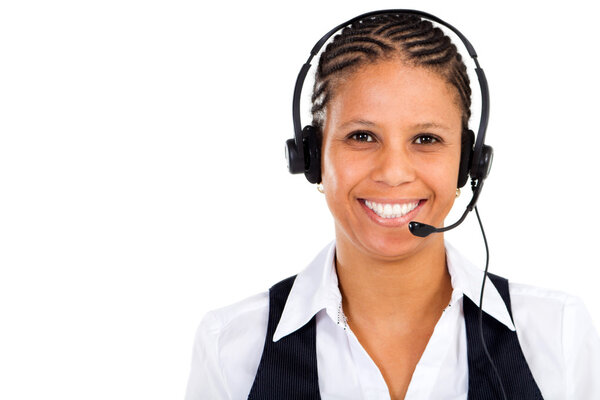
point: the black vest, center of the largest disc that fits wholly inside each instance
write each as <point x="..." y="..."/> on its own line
<point x="288" y="367"/>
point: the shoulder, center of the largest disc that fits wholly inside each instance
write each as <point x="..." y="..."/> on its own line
<point x="558" y="339"/>
<point x="527" y="299"/>
<point x="238" y="328"/>
<point x="547" y="310"/>
<point x="227" y="349"/>
<point x="250" y="310"/>
<point x="543" y="314"/>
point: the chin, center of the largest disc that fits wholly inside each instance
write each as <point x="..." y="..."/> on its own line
<point x="399" y="246"/>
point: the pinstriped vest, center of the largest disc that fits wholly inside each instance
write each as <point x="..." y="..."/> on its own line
<point x="288" y="367"/>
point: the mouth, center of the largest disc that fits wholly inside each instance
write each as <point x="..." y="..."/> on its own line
<point x="391" y="213"/>
<point x="387" y="210"/>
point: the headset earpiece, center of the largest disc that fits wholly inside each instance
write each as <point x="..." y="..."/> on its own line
<point x="294" y="157"/>
<point x="466" y="156"/>
<point x="312" y="153"/>
<point x="307" y="157"/>
<point x="481" y="171"/>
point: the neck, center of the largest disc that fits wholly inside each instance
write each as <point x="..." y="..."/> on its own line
<point x="394" y="293"/>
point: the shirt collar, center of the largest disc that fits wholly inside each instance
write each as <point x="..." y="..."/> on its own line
<point x="466" y="279"/>
<point x="316" y="288"/>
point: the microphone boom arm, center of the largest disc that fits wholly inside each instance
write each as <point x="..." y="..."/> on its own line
<point x="423" y="230"/>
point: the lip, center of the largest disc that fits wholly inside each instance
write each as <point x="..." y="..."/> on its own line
<point x="392" y="222"/>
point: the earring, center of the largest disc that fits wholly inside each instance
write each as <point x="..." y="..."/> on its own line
<point x="320" y="187"/>
<point x="457" y="193"/>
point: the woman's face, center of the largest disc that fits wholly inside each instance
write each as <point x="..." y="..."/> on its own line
<point x="391" y="153"/>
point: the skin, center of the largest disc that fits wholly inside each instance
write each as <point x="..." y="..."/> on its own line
<point x="392" y="134"/>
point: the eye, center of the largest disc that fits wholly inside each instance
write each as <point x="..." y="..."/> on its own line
<point x="426" y="139"/>
<point x="362" y="136"/>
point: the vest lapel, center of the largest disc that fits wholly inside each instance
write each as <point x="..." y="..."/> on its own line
<point x="503" y="346"/>
<point x="288" y="367"/>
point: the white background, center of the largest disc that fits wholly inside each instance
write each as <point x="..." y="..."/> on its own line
<point x="142" y="177"/>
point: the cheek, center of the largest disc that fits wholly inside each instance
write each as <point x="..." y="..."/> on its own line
<point x="341" y="172"/>
<point x="443" y="178"/>
<point x="444" y="175"/>
<point x="335" y="172"/>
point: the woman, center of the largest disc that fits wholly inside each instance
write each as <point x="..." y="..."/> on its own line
<point x="381" y="312"/>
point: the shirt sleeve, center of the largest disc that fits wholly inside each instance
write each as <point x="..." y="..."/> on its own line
<point x="581" y="350"/>
<point x="206" y="380"/>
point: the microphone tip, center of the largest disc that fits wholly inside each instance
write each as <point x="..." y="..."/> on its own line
<point x="419" y="229"/>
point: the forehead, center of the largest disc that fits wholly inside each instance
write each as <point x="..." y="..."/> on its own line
<point x="392" y="90"/>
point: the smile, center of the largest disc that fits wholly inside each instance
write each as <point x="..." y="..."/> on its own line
<point x="386" y="210"/>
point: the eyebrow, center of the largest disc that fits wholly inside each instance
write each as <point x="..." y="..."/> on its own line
<point x="428" y="125"/>
<point x="424" y="125"/>
<point x="357" y="122"/>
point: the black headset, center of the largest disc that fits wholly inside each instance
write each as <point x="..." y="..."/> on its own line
<point x="303" y="152"/>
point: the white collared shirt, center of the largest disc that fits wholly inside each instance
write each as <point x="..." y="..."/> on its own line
<point x="554" y="330"/>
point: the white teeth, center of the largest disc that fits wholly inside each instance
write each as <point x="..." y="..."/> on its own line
<point x="391" y="210"/>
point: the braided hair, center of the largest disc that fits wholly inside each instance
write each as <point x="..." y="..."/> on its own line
<point x="403" y="36"/>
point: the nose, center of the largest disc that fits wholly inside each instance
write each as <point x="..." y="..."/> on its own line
<point x="393" y="166"/>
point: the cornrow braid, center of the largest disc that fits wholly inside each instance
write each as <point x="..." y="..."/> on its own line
<point x="382" y="37"/>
